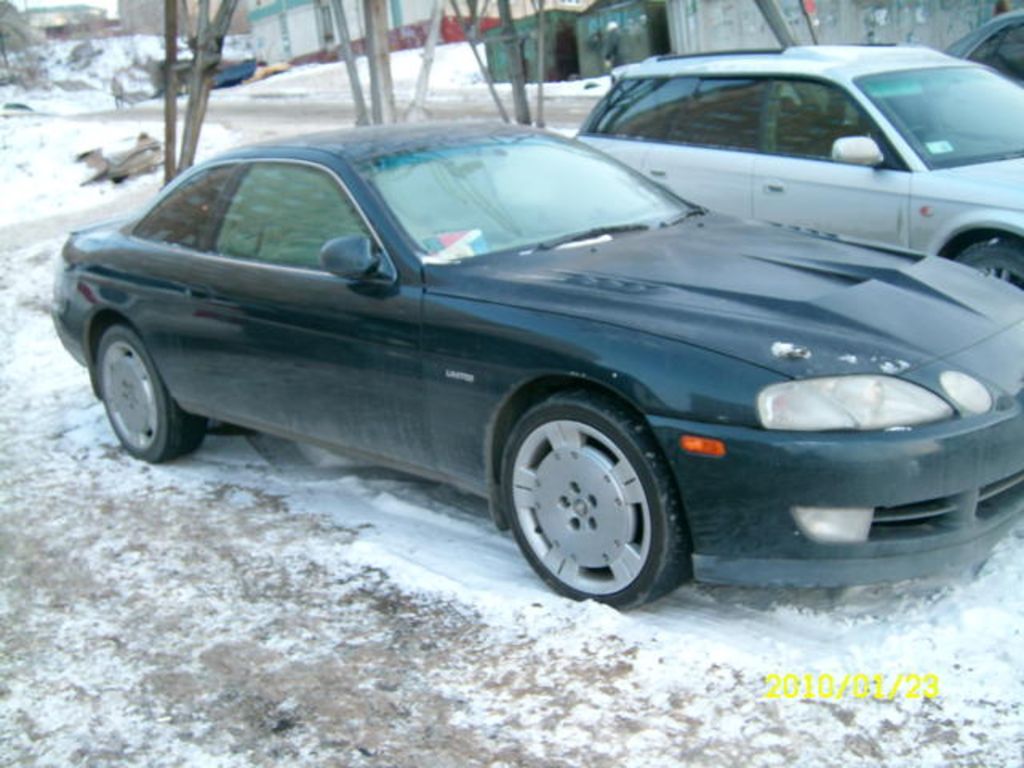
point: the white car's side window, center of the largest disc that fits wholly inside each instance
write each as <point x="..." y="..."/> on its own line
<point x="804" y="118"/>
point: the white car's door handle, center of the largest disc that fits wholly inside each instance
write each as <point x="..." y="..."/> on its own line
<point x="774" y="186"/>
<point x="658" y="174"/>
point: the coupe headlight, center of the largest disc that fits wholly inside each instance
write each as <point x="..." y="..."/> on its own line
<point x="968" y="393"/>
<point x="848" y="402"/>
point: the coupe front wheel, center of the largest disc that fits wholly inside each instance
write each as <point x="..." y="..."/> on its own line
<point x="592" y="503"/>
<point x="146" y="420"/>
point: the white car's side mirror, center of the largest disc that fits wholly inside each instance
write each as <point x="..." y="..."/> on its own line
<point x="857" y="150"/>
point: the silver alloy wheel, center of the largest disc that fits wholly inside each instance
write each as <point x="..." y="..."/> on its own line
<point x="128" y="393"/>
<point x="581" y="507"/>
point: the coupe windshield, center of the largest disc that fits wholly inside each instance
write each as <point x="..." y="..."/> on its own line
<point x="952" y="116"/>
<point x="514" y="192"/>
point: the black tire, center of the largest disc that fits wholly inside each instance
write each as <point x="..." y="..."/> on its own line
<point x="591" y="526"/>
<point x="148" y="423"/>
<point x="1001" y="257"/>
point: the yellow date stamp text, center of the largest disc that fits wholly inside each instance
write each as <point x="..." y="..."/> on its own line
<point x="851" y="686"/>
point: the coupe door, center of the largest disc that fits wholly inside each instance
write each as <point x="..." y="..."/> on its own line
<point x="279" y="344"/>
<point x="797" y="183"/>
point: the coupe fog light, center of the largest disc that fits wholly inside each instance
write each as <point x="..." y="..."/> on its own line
<point x="834" y="525"/>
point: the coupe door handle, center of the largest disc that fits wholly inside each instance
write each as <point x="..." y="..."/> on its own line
<point x="774" y="187"/>
<point x="658" y="174"/>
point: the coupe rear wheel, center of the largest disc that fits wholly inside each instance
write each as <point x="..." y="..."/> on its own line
<point x="1002" y="258"/>
<point x="592" y="503"/>
<point x="147" y="422"/>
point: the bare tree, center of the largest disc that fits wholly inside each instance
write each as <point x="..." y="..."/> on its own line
<point x="538" y="7"/>
<point x="346" y="54"/>
<point x="15" y="32"/>
<point x="382" y="90"/>
<point x="417" y="107"/>
<point x="471" y="30"/>
<point x="170" y="89"/>
<point x="206" y="46"/>
<point x="516" y="68"/>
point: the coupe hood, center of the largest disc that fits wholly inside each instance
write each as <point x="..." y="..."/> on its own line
<point x="795" y="304"/>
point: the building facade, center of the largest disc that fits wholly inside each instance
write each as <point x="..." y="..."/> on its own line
<point x="713" y="25"/>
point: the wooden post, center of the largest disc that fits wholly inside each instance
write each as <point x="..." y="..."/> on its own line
<point x="345" y="51"/>
<point x="170" y="89"/>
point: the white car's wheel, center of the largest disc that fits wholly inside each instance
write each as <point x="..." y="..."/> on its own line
<point x="1002" y="258"/>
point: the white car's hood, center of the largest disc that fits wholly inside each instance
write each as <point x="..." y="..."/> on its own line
<point x="999" y="184"/>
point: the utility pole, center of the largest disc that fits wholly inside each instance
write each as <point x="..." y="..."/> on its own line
<point x="170" y="88"/>
<point x="516" y="72"/>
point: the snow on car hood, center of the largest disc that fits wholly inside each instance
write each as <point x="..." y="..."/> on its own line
<point x="796" y="304"/>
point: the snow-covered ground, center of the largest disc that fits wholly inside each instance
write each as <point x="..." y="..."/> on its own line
<point x="75" y="84"/>
<point x="264" y="603"/>
<point x="454" y="75"/>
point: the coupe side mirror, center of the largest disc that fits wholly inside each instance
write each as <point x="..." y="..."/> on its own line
<point x="857" y="150"/>
<point x="351" y="257"/>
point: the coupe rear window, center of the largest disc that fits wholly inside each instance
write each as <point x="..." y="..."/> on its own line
<point x="952" y="116"/>
<point x="184" y="216"/>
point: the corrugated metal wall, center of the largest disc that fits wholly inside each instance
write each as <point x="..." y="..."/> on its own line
<point x="713" y="25"/>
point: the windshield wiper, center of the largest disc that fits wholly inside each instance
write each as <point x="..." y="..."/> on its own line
<point x="589" y="234"/>
<point x="690" y="214"/>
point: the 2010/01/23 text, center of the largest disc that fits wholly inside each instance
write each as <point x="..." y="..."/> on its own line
<point x="857" y="686"/>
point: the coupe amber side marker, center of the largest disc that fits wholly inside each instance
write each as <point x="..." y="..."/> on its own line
<point x="704" y="446"/>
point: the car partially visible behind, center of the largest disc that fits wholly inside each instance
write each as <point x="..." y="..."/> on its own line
<point x="998" y="44"/>
<point x="897" y="146"/>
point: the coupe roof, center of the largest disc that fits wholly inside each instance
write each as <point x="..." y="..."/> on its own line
<point x="361" y="144"/>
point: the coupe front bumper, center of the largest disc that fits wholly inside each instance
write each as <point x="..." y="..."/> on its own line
<point x="942" y="495"/>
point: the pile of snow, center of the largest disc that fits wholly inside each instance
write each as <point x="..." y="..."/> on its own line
<point x="76" y="65"/>
<point x="72" y="76"/>
<point x="40" y="177"/>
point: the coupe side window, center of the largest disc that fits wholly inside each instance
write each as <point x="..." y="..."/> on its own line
<point x="183" y="217"/>
<point x="642" y="108"/>
<point x="804" y="118"/>
<point x="721" y="113"/>
<point x="283" y="213"/>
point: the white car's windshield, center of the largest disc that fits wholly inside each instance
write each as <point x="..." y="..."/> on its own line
<point x="513" y="192"/>
<point x="952" y="116"/>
